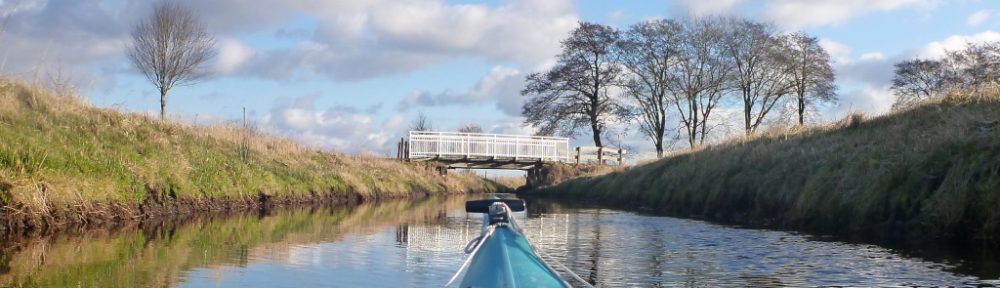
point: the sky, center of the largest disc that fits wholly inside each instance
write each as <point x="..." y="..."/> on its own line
<point x="350" y="76"/>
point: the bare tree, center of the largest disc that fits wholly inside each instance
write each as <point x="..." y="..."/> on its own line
<point x="917" y="80"/>
<point x="970" y="69"/>
<point x="812" y="75"/>
<point x="169" y="48"/>
<point x="648" y="51"/>
<point x="575" y="93"/>
<point x="761" y="70"/>
<point x="470" y="128"/>
<point x="975" y="66"/>
<point x="699" y="79"/>
<point x="421" y="123"/>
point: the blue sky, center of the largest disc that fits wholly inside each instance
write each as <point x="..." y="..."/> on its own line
<point x="351" y="75"/>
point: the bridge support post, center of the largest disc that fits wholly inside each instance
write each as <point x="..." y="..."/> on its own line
<point x="534" y="176"/>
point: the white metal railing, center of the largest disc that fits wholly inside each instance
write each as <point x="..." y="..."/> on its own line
<point x="424" y="144"/>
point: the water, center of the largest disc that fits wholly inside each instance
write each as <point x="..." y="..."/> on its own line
<point x="400" y="244"/>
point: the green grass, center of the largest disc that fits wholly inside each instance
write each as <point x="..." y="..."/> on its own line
<point x="57" y="153"/>
<point x="929" y="173"/>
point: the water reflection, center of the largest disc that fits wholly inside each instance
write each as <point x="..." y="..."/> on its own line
<point x="419" y="244"/>
<point x="637" y="250"/>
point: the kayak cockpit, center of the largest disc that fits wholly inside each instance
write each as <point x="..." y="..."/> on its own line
<point x="501" y="255"/>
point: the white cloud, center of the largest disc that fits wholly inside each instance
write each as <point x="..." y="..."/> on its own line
<point x="797" y="14"/>
<point x="868" y="100"/>
<point x="839" y="52"/>
<point x="231" y="55"/>
<point x="63" y="37"/>
<point x="872" y="56"/>
<point x="500" y="84"/>
<point x="704" y="8"/>
<point x="938" y="49"/>
<point x="341" y="128"/>
<point x="978" y="17"/>
<point x="339" y="40"/>
<point x="361" y="40"/>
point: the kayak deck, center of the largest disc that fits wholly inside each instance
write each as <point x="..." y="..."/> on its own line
<point x="506" y="259"/>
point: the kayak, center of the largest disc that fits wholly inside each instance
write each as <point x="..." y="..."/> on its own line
<point x="501" y="256"/>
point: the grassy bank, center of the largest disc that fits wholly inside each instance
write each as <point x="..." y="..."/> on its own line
<point x="927" y="174"/>
<point x="63" y="160"/>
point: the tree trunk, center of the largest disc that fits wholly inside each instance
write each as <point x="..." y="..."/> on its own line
<point x="746" y="116"/>
<point x="597" y="133"/>
<point x="802" y="109"/>
<point x="659" y="150"/>
<point x="163" y="103"/>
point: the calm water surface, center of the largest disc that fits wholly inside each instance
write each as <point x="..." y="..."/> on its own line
<point x="401" y="244"/>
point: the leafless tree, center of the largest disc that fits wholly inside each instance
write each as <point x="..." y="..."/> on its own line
<point x="813" y="76"/>
<point x="170" y="47"/>
<point x="648" y="51"/>
<point x="975" y="66"/>
<point x="760" y="65"/>
<point x="421" y="123"/>
<point x="575" y="93"/>
<point x="470" y="128"/>
<point x="699" y="79"/>
<point x="917" y="80"/>
<point x="970" y="70"/>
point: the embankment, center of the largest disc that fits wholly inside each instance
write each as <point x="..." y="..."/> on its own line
<point x="63" y="162"/>
<point x="929" y="174"/>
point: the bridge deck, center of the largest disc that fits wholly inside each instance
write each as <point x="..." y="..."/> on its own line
<point x="486" y="151"/>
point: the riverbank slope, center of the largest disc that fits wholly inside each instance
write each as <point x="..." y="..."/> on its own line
<point x="926" y="174"/>
<point x="64" y="161"/>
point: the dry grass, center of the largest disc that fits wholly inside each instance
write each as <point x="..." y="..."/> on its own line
<point x="927" y="172"/>
<point x="57" y="152"/>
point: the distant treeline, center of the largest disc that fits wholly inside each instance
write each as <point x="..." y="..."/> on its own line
<point x="656" y="71"/>
<point x="969" y="71"/>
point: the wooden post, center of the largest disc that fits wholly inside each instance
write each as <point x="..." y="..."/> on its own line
<point x="577" y="155"/>
<point x="406" y="150"/>
<point x="620" y="162"/>
<point x="600" y="155"/>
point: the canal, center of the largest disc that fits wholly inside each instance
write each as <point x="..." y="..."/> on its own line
<point x="419" y="244"/>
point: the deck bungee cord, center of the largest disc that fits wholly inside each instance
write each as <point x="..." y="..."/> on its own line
<point x="478" y="241"/>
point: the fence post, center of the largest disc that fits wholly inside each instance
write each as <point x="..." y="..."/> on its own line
<point x="620" y="162"/>
<point x="600" y="155"/>
<point x="399" y="149"/>
<point x="577" y="157"/>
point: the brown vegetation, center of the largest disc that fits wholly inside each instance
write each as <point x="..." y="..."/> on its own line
<point x="62" y="160"/>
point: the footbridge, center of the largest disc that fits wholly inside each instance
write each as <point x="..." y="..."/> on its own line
<point x="484" y="151"/>
<point x="498" y="151"/>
